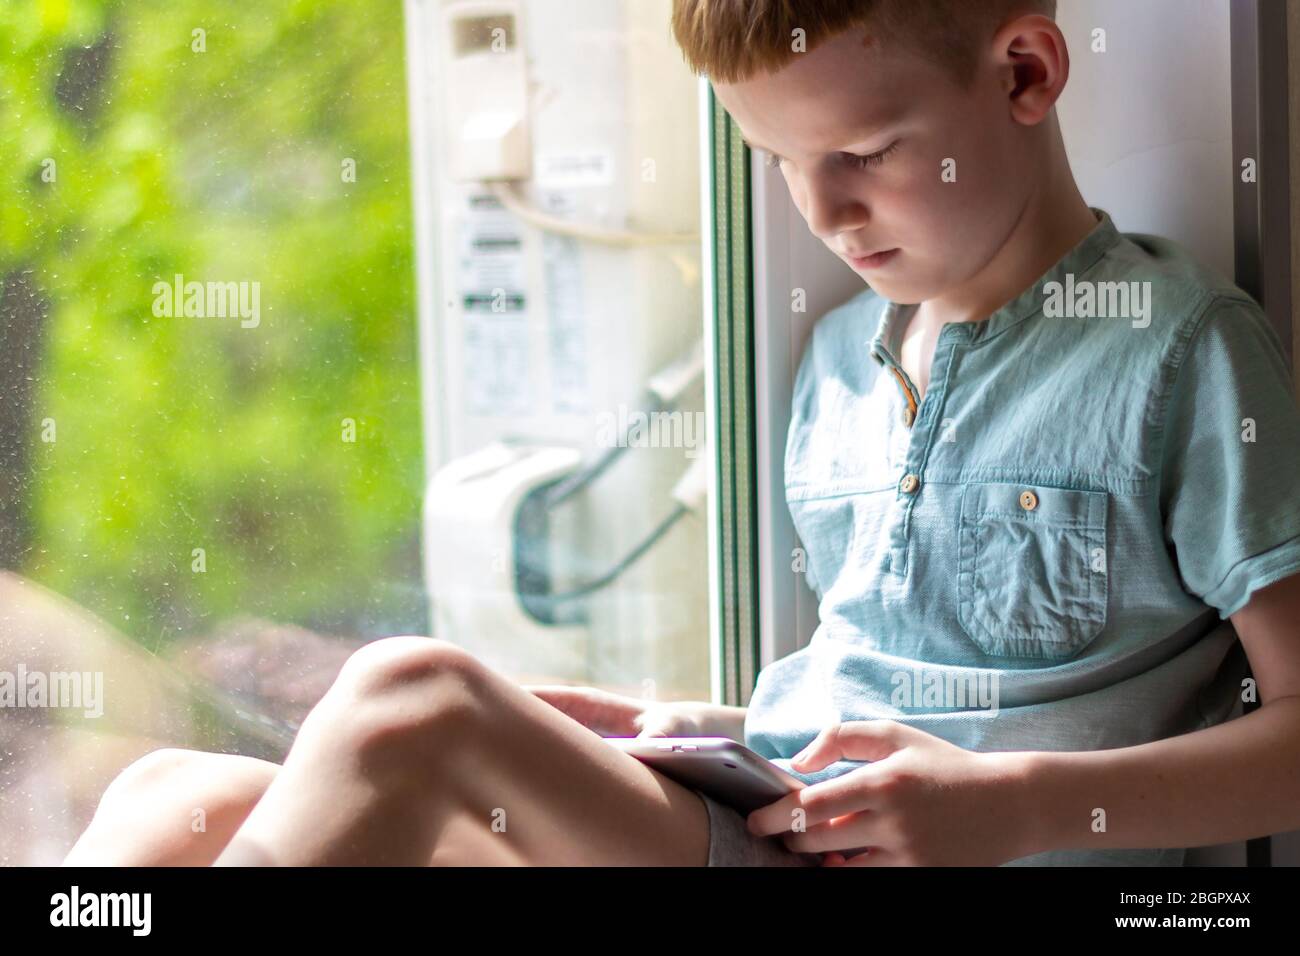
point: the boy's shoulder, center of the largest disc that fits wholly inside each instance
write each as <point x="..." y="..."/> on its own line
<point x="1181" y="283"/>
<point x="1168" y="296"/>
<point x="1146" y="254"/>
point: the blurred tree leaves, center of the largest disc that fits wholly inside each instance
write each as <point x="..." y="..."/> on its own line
<point x="175" y="433"/>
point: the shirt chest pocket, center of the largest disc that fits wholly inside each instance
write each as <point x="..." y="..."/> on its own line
<point x="1031" y="578"/>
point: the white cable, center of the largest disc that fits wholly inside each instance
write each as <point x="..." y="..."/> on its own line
<point x="504" y="191"/>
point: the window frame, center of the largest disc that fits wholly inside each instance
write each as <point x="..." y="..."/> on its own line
<point x="729" y="304"/>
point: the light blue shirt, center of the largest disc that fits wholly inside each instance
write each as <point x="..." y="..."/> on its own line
<point x="1041" y="554"/>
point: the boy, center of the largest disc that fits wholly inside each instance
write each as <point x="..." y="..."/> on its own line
<point x="988" y="479"/>
<point x="1038" y="459"/>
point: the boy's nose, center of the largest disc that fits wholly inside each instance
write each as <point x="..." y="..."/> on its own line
<point x="832" y="213"/>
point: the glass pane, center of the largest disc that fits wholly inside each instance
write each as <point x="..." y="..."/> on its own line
<point x="212" y="457"/>
<point x="316" y="331"/>
<point x="565" y="534"/>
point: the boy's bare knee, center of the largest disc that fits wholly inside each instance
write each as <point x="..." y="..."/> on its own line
<point x="150" y="773"/>
<point x="401" y="695"/>
<point x="392" y="662"/>
<point x="165" y="808"/>
<point x="171" y="774"/>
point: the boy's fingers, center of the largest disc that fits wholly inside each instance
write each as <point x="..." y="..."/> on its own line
<point x="817" y="754"/>
<point x="659" y="722"/>
<point x="646" y="725"/>
<point x="829" y="809"/>
<point x="598" y="710"/>
<point x="853" y="740"/>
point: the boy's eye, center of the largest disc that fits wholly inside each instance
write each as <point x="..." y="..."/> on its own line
<point x="873" y="159"/>
<point x="773" y="161"/>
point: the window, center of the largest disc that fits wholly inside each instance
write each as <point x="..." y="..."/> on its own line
<point x="286" y="370"/>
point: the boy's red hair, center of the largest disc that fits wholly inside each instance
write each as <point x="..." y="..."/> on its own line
<point x="733" y="40"/>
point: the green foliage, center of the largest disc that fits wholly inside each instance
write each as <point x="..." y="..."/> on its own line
<point x="177" y="433"/>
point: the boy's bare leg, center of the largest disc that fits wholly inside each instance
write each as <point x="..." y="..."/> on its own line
<point x="172" y="807"/>
<point x="419" y="753"/>
<point x="181" y="808"/>
<point x="177" y="807"/>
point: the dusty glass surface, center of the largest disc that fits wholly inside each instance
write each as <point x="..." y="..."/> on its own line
<point x="217" y="425"/>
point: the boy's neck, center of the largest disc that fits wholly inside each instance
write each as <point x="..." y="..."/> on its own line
<point x="1054" y="220"/>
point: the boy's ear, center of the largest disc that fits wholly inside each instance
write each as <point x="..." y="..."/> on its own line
<point x="1034" y="64"/>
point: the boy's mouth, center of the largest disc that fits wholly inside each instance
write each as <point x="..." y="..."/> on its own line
<point x="873" y="261"/>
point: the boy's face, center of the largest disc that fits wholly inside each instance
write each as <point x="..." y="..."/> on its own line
<point x="843" y="101"/>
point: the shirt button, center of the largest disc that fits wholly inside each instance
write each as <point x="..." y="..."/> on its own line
<point x="1028" y="500"/>
<point x="909" y="483"/>
<point x="908" y="416"/>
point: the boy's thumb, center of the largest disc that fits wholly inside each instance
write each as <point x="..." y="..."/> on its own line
<point x="815" y="756"/>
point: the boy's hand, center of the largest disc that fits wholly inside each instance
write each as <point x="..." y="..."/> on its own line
<point x="615" y="715"/>
<point x="921" y="802"/>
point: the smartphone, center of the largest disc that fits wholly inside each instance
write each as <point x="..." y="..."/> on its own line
<point x="726" y="770"/>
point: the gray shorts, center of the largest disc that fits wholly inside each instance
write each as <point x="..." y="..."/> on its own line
<point x="731" y="843"/>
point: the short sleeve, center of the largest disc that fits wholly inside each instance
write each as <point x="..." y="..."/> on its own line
<point x="1230" y="475"/>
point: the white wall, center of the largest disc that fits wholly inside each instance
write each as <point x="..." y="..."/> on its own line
<point x="1147" y="123"/>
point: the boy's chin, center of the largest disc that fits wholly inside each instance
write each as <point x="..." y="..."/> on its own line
<point x="898" y="289"/>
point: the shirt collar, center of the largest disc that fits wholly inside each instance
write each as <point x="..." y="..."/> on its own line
<point x="1024" y="306"/>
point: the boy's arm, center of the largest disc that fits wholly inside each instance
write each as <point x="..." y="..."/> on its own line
<point x="1233" y="781"/>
